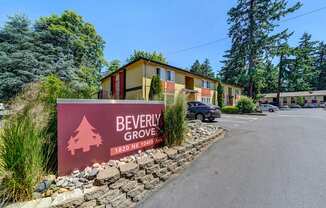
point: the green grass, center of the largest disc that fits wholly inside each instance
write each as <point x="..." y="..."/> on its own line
<point x="21" y="157"/>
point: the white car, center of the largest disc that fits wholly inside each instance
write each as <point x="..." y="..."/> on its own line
<point x="268" y="107"/>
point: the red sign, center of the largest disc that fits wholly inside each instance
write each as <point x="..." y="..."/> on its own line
<point x="95" y="131"/>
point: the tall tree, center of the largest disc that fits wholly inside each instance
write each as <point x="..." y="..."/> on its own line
<point x="155" y="56"/>
<point x="252" y="26"/>
<point x="18" y="62"/>
<point x="207" y="69"/>
<point x="73" y="36"/>
<point x="321" y="66"/>
<point x="196" y="67"/>
<point x="303" y="75"/>
<point x="204" y="69"/>
<point x="114" y="65"/>
<point x="64" y="45"/>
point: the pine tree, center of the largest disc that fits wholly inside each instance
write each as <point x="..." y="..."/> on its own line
<point x="220" y="96"/>
<point x="321" y="66"/>
<point x="155" y="56"/>
<point x="155" y="91"/>
<point x="303" y="75"/>
<point x="252" y="23"/>
<point x="206" y="69"/>
<point x="196" y="67"/>
<point x="18" y="62"/>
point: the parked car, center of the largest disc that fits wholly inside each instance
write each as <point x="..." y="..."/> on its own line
<point x="295" y="106"/>
<point x="269" y="108"/>
<point x="201" y="111"/>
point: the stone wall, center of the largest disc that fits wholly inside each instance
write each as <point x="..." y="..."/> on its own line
<point x="125" y="182"/>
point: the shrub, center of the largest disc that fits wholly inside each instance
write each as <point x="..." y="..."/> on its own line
<point x="155" y="91"/>
<point x="220" y="90"/>
<point x="246" y="105"/>
<point x="300" y="101"/>
<point x="175" y="122"/>
<point x="21" y="157"/>
<point x="230" y="109"/>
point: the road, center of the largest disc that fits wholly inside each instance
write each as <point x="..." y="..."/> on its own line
<point x="275" y="161"/>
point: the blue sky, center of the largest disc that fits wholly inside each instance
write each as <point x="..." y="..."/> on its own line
<point x="163" y="25"/>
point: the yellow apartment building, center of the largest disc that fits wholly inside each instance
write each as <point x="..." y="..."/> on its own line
<point x="133" y="80"/>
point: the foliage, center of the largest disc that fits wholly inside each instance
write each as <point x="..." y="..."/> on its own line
<point x="321" y="66"/>
<point x="246" y="105"/>
<point x="155" y="56"/>
<point x="204" y="69"/>
<point x="64" y="45"/>
<point x="17" y="60"/>
<point x="220" y="96"/>
<point x="302" y="75"/>
<point x="230" y="109"/>
<point x="300" y="101"/>
<point x="21" y="156"/>
<point x="155" y="91"/>
<point x="252" y="38"/>
<point x="114" y="65"/>
<point x="175" y="122"/>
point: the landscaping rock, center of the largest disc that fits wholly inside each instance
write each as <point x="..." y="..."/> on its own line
<point x="74" y="197"/>
<point x="159" y="156"/>
<point x="107" y="175"/>
<point x="95" y="192"/>
<point x="128" y="169"/>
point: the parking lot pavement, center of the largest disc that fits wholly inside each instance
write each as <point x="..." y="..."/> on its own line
<point x="273" y="161"/>
<point x="231" y="121"/>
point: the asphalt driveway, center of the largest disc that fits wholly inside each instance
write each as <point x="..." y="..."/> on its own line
<point x="276" y="161"/>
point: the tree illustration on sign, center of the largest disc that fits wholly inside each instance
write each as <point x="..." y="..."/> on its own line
<point x="84" y="137"/>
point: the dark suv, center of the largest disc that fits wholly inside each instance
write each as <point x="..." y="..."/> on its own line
<point x="201" y="111"/>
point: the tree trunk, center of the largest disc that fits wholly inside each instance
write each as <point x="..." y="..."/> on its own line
<point x="252" y="54"/>
<point x="279" y="84"/>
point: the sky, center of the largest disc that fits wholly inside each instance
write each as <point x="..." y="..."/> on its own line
<point x="164" y="25"/>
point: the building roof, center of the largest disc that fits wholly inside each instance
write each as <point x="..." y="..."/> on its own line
<point x="166" y="65"/>
<point x="297" y="94"/>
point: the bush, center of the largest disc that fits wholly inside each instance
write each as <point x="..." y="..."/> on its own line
<point x="246" y="105"/>
<point x="21" y="157"/>
<point x="230" y="109"/>
<point x="220" y="96"/>
<point x="155" y="91"/>
<point x="175" y="122"/>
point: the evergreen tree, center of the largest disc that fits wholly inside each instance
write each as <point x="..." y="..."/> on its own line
<point x="114" y="65"/>
<point x="220" y="96"/>
<point x="64" y="45"/>
<point x="155" y="91"/>
<point x="321" y="66"/>
<point x="206" y="69"/>
<point x="196" y="67"/>
<point x="70" y="35"/>
<point x="155" y="56"/>
<point x="252" y="23"/>
<point x="303" y="75"/>
<point x="18" y="62"/>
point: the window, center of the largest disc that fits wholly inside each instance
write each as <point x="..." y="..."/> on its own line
<point x="158" y="72"/>
<point x="169" y="75"/>
<point x="206" y="100"/>
<point x="205" y="84"/>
